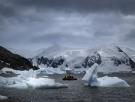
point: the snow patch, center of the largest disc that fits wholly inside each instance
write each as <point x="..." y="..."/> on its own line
<point x="108" y="67"/>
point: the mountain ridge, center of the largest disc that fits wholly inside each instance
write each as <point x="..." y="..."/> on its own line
<point x="15" y="61"/>
<point x="77" y="58"/>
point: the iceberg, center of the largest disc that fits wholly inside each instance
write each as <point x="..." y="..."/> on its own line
<point x="29" y="79"/>
<point x="37" y="83"/>
<point x="91" y="79"/>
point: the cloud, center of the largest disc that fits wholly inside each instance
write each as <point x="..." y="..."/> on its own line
<point x="6" y="9"/>
<point x="78" y="23"/>
<point x="130" y="36"/>
<point x="123" y="6"/>
<point x="13" y="7"/>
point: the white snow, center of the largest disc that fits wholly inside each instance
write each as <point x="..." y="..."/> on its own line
<point x="92" y="79"/>
<point x="108" y="67"/>
<point x="3" y="97"/>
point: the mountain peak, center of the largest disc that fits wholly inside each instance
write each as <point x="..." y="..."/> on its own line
<point x="51" y="51"/>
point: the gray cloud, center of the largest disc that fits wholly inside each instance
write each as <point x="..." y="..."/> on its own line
<point x="11" y="7"/>
<point x="130" y="36"/>
<point x="35" y="24"/>
<point x="123" y="6"/>
<point x="59" y="38"/>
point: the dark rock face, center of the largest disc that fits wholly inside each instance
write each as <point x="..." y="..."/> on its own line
<point x="132" y="64"/>
<point x="90" y="60"/>
<point x="58" y="61"/>
<point x="51" y="62"/>
<point x="118" y="61"/>
<point x="123" y="60"/>
<point x="9" y="59"/>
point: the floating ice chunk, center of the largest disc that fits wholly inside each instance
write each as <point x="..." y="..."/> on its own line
<point x="5" y="70"/>
<point x="38" y="83"/>
<point x="3" y="97"/>
<point x="31" y="78"/>
<point x="43" y="83"/>
<point x="20" y="85"/>
<point x="91" y="73"/>
<point x="92" y="79"/>
<point x="112" y="82"/>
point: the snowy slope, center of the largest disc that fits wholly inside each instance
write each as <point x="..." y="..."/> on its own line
<point x="111" y="58"/>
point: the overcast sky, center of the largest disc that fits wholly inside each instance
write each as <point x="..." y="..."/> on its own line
<point x="35" y="24"/>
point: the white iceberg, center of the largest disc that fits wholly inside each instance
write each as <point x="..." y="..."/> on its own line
<point x="3" y="97"/>
<point x="37" y="83"/>
<point x="91" y="79"/>
<point x="28" y="79"/>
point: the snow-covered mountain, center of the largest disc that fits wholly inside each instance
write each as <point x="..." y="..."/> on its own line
<point x="115" y="59"/>
<point x="110" y="59"/>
